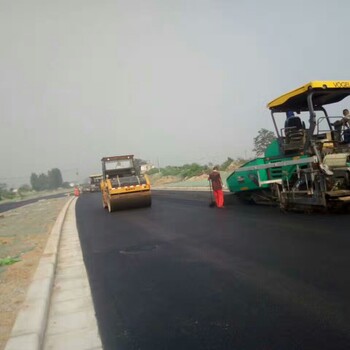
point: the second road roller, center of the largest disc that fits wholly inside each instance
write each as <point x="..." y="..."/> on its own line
<point x="122" y="185"/>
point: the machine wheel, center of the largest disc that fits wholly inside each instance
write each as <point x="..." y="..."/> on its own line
<point x="110" y="206"/>
<point x="129" y="201"/>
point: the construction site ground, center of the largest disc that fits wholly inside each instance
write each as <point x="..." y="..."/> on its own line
<point x="23" y="236"/>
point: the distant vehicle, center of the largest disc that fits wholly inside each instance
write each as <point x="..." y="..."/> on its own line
<point x="95" y="183"/>
<point x="308" y="166"/>
<point x="122" y="185"/>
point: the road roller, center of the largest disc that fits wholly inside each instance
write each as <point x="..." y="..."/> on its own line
<point x="122" y="185"/>
<point x="307" y="166"/>
<point x="94" y="183"/>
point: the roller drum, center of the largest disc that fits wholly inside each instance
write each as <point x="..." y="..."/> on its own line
<point x="129" y="201"/>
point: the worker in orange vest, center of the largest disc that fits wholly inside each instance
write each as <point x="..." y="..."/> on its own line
<point x="216" y="184"/>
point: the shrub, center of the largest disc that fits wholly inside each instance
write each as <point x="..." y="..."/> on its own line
<point x="152" y="171"/>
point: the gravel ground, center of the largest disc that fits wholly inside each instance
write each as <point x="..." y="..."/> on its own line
<point x="23" y="234"/>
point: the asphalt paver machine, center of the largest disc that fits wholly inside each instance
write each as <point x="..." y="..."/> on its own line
<point x="307" y="167"/>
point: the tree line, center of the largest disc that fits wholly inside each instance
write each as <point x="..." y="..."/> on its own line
<point x="261" y="141"/>
<point x="195" y="169"/>
<point x="53" y="179"/>
<point x="39" y="182"/>
<point x="50" y="181"/>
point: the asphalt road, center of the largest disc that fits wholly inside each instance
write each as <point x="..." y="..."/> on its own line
<point x="12" y="205"/>
<point x="181" y="275"/>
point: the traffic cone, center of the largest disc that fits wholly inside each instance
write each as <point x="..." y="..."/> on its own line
<point x="76" y="192"/>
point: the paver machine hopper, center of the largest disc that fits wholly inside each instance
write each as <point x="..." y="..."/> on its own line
<point x="123" y="186"/>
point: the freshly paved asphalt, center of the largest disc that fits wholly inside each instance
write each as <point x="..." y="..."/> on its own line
<point x="12" y="205"/>
<point x="181" y="275"/>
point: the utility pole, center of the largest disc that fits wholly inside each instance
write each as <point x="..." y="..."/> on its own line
<point x="158" y="165"/>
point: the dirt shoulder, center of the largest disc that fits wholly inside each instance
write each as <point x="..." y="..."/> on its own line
<point x="23" y="234"/>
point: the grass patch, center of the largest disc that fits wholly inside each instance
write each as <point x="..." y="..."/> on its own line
<point x="9" y="260"/>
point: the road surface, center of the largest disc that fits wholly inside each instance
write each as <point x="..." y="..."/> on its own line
<point x="181" y="275"/>
<point x="12" y="205"/>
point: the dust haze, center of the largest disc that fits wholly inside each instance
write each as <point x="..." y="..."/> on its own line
<point x="169" y="81"/>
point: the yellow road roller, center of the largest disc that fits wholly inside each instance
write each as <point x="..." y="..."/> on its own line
<point x="123" y="186"/>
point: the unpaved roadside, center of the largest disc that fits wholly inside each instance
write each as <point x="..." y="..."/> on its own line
<point x="23" y="234"/>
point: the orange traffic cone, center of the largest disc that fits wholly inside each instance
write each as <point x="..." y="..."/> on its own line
<point x="76" y="192"/>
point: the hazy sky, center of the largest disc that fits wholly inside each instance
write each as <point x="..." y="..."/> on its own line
<point x="176" y="80"/>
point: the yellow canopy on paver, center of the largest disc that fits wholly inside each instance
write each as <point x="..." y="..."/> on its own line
<point x="323" y="92"/>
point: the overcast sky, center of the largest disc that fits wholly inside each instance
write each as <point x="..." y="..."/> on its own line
<point x="176" y="80"/>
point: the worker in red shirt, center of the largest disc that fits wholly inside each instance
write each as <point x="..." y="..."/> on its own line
<point x="216" y="184"/>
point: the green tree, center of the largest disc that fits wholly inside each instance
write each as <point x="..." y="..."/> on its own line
<point x="43" y="182"/>
<point x="54" y="178"/>
<point x="3" y="190"/>
<point x="171" y="170"/>
<point x="152" y="171"/>
<point x="51" y="181"/>
<point x="39" y="182"/>
<point x="34" y="182"/>
<point x="193" y="169"/>
<point x="24" y="188"/>
<point x="187" y="170"/>
<point x="264" y="138"/>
